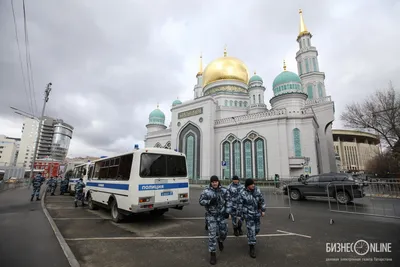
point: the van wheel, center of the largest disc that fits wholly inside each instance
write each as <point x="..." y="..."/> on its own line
<point x="116" y="216"/>
<point x="158" y="213"/>
<point x="295" y="194"/>
<point x="91" y="205"/>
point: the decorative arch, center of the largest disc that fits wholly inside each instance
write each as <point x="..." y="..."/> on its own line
<point x="246" y="158"/>
<point x="168" y="145"/>
<point x="190" y="143"/>
<point x="157" y="145"/>
<point x="297" y="142"/>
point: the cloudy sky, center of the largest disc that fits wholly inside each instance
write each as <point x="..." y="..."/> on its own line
<point x="110" y="62"/>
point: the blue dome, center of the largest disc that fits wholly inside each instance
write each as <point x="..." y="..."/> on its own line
<point x="157" y="117"/>
<point x="176" y="102"/>
<point x="287" y="82"/>
<point x="255" y="78"/>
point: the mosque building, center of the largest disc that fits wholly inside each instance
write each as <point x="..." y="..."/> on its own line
<point x="227" y="128"/>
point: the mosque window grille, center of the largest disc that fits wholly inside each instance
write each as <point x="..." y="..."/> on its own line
<point x="310" y="91"/>
<point x="260" y="158"/>
<point x="226" y="155"/>
<point x="297" y="142"/>
<point x="236" y="146"/>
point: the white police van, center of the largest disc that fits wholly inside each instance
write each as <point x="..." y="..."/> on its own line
<point x="79" y="171"/>
<point x="145" y="180"/>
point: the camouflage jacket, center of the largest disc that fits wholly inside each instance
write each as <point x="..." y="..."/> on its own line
<point x="38" y="181"/>
<point x="234" y="191"/>
<point x="52" y="182"/>
<point x="79" y="186"/>
<point x="223" y="205"/>
<point x="251" y="203"/>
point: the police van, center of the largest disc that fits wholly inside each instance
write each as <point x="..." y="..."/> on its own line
<point x="145" y="180"/>
<point x="79" y="171"/>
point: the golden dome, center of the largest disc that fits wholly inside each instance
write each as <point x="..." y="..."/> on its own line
<point x="225" y="68"/>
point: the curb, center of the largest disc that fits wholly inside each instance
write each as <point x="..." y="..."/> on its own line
<point x="73" y="262"/>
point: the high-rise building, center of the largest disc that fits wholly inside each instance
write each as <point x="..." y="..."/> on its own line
<point x="54" y="140"/>
<point x="8" y="150"/>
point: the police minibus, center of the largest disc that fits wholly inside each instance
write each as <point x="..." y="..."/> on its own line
<point x="144" y="180"/>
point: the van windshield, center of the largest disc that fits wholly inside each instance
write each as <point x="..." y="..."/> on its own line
<point x="162" y="166"/>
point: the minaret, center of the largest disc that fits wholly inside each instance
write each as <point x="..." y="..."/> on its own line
<point x="307" y="64"/>
<point x="198" y="88"/>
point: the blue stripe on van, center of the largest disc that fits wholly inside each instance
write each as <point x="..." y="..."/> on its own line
<point x="107" y="185"/>
<point x="144" y="187"/>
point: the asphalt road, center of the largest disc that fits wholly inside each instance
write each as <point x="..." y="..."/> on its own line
<point x="178" y="238"/>
<point x="26" y="237"/>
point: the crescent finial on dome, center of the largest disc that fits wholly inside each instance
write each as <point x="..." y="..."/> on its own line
<point x="225" y="53"/>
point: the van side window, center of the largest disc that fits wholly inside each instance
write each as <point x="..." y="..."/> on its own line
<point x="114" y="168"/>
<point x="158" y="165"/>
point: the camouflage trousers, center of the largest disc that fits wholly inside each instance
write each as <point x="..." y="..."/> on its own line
<point x="79" y="196"/>
<point x="235" y="222"/>
<point x="52" y="189"/>
<point x="36" y="191"/>
<point x="217" y="229"/>
<point x="253" y="228"/>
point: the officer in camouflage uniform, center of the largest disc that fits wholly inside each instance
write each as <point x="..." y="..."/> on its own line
<point x="36" y="184"/>
<point x="251" y="207"/>
<point x="52" y="183"/>
<point x="64" y="186"/>
<point x="234" y="190"/>
<point x="79" y="195"/>
<point x="216" y="200"/>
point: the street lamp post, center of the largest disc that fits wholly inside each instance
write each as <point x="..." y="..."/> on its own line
<point x="46" y="98"/>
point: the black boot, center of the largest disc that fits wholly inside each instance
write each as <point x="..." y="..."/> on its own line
<point x="235" y="231"/>
<point x="37" y="198"/>
<point x="252" y="251"/>
<point x="76" y="204"/>
<point x="213" y="258"/>
<point x="220" y="246"/>
<point x="31" y="198"/>
<point x="206" y="227"/>
<point x="240" y="231"/>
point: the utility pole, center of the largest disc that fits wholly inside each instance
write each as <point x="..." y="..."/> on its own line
<point x="46" y="98"/>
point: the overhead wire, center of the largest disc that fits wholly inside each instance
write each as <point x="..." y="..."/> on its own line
<point x="28" y="96"/>
<point x="28" y="59"/>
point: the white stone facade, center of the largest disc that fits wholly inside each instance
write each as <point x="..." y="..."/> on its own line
<point x="236" y="129"/>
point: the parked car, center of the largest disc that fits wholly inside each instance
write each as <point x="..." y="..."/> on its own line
<point x="342" y="186"/>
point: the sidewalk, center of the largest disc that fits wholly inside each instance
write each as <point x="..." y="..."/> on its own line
<point x="27" y="239"/>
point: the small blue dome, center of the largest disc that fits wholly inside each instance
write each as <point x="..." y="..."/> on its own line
<point x="286" y="77"/>
<point x="176" y="102"/>
<point x="287" y="82"/>
<point x="255" y="78"/>
<point x="157" y="117"/>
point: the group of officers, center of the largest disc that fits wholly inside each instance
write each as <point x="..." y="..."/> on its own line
<point x="240" y="203"/>
<point x="38" y="181"/>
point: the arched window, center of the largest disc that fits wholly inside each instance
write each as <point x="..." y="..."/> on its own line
<point x="226" y="155"/>
<point x="308" y="41"/>
<point x="236" y="103"/>
<point x="248" y="159"/>
<point x="231" y="103"/>
<point x="189" y="143"/>
<point x="254" y="99"/>
<point x="259" y="98"/>
<point x="320" y="91"/>
<point x="297" y="143"/>
<point x="240" y="103"/>
<point x="300" y="68"/>
<point x="226" y="102"/>
<point x="237" y="159"/>
<point x="314" y="64"/>
<point x="260" y="158"/>
<point x="310" y="91"/>
<point x="245" y="104"/>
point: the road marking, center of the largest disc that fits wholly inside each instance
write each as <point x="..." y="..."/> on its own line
<point x="82" y="218"/>
<point x="281" y="233"/>
<point x="163" y="237"/>
<point x="290" y="233"/>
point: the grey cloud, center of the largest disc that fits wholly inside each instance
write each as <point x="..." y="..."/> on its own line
<point x="109" y="62"/>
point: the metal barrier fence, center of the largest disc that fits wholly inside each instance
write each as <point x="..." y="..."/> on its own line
<point x="380" y="199"/>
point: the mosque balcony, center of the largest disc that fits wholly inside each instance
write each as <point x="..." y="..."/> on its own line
<point x="165" y="132"/>
<point x="296" y="162"/>
<point x="310" y="102"/>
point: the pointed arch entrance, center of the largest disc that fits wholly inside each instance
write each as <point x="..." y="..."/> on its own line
<point x="189" y="143"/>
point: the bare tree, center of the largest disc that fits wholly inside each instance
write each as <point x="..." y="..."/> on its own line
<point x="379" y="112"/>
